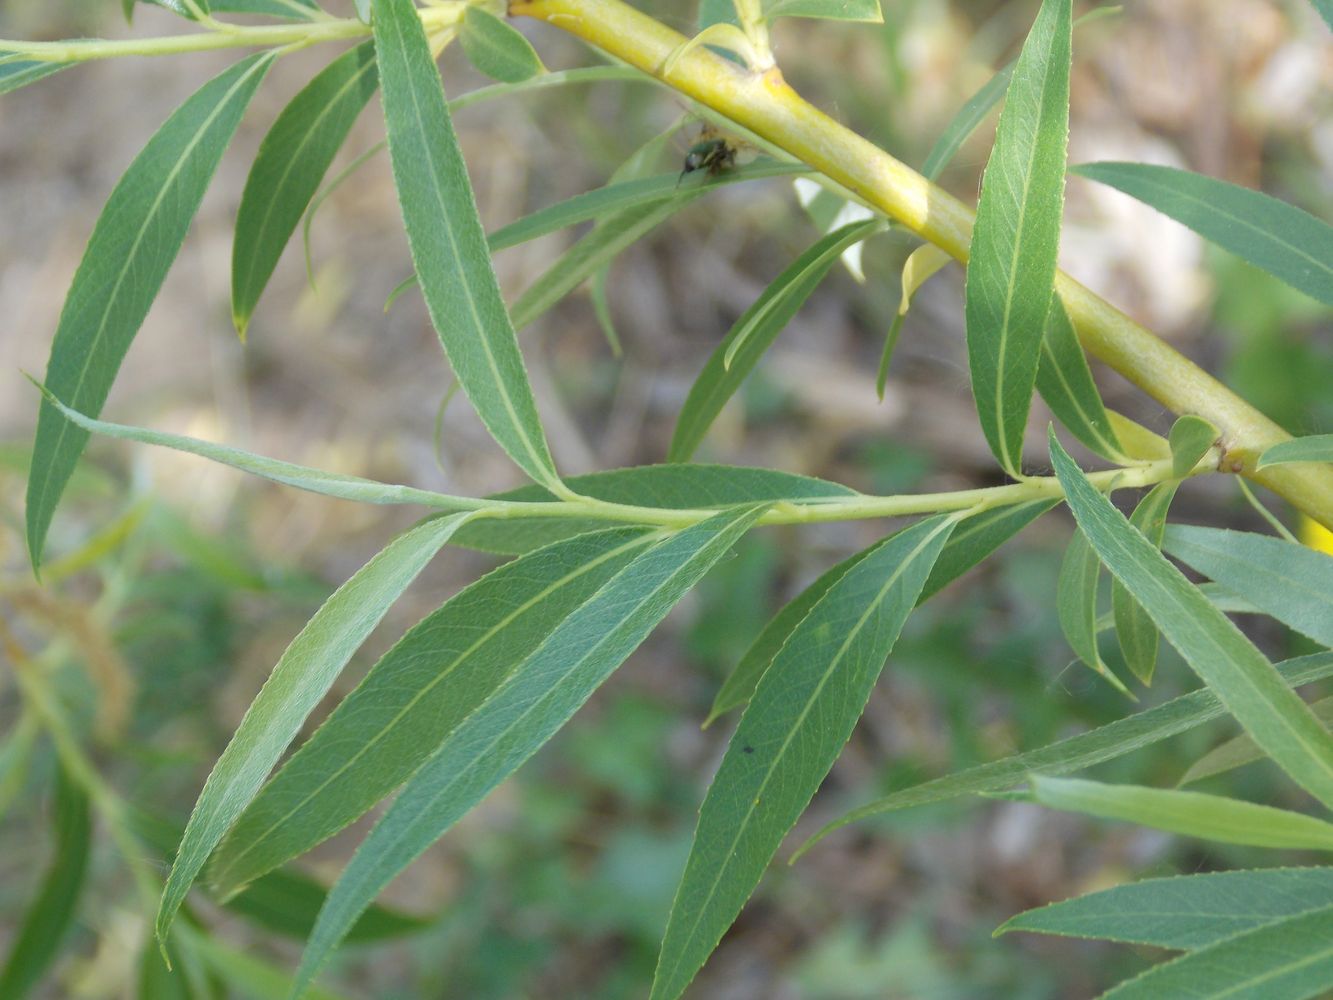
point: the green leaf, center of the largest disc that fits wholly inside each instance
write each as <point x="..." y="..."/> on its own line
<point x="1241" y="751"/>
<point x="535" y="700"/>
<point x="754" y="332"/>
<point x="1011" y="274"/>
<point x="1134" y="630"/>
<point x="250" y="976"/>
<point x="299" y="680"/>
<point x="363" y="10"/>
<point x="965" y="122"/>
<point x="1190" y="814"/>
<point x="448" y="244"/>
<point x="1283" y="240"/>
<point x="410" y="702"/>
<point x="1105" y="743"/>
<point x="835" y="10"/>
<point x="48" y="919"/>
<point x="329" y="484"/>
<point x="972" y="541"/>
<point x="1076" y="605"/>
<point x="1325" y="8"/>
<point x="672" y="487"/>
<point x="21" y="72"/>
<point x="292" y="10"/>
<point x="137" y="237"/>
<point x="292" y="161"/>
<point x="1291" y="582"/>
<point x="1065" y="382"/>
<point x="1318" y="448"/>
<point x="496" y="48"/>
<point x="1227" y="661"/>
<point x="1183" y="913"/>
<point x="802" y="713"/>
<point x="1191" y="437"/>
<point x="1289" y="959"/>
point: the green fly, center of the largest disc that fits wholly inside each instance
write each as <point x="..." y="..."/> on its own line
<point x="712" y="155"/>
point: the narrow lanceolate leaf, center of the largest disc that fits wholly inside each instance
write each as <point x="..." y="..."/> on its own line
<point x="1318" y="448"/>
<point x="18" y="73"/>
<point x="802" y="712"/>
<point x="1108" y="742"/>
<point x="292" y="161"/>
<point x="536" y="699"/>
<point x="754" y="333"/>
<point x="921" y="265"/>
<point x="1291" y="582"/>
<point x="1281" y="239"/>
<point x="410" y="702"/>
<point x="1228" y="662"/>
<point x="673" y="487"/>
<point x="1011" y="274"/>
<point x="1135" y="631"/>
<point x="1065" y="382"/>
<point x="972" y="541"/>
<point x="1076" y="604"/>
<point x="1289" y="959"/>
<point x="448" y="244"/>
<point x="965" y="122"/>
<point x="51" y="912"/>
<point x="1190" y="439"/>
<point x="836" y="10"/>
<point x="299" y="680"/>
<point x="496" y="48"/>
<point x="294" y="10"/>
<point x="1190" y="814"/>
<point x="329" y="484"/>
<point x="1241" y="751"/>
<point x="140" y="231"/>
<point x="1185" y="912"/>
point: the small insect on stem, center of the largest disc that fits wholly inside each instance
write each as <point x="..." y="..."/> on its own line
<point x="713" y="155"/>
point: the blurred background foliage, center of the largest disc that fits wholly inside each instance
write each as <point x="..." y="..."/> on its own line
<point x="175" y="585"/>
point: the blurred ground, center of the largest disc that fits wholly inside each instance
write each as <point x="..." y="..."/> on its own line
<point x="559" y="885"/>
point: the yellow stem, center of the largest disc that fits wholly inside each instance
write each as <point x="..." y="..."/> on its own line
<point x="767" y="106"/>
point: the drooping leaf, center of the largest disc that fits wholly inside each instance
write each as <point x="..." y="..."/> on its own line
<point x="1289" y="959"/>
<point x="973" y="541"/>
<point x="1076" y="605"/>
<point x="448" y="244"/>
<point x="18" y="73"/>
<point x="1065" y="382"/>
<point x="921" y="265"/>
<point x="965" y="122"/>
<point x="137" y="237"/>
<point x="1317" y="448"/>
<point x="673" y="487"/>
<point x="48" y="918"/>
<point x="1134" y="630"/>
<point x="1190" y="439"/>
<point x="1240" y="751"/>
<point x="1183" y="913"/>
<point x="291" y="164"/>
<point x="1190" y="814"/>
<point x="1011" y="274"/>
<point x="299" y="680"/>
<point x="754" y="332"/>
<point x="410" y="702"/>
<point x="330" y="484"/>
<point x="1077" y="752"/>
<point x="1291" y="582"/>
<point x="1228" y="662"/>
<point x="802" y="712"/>
<point x="1283" y="240"/>
<point x="835" y="10"/>
<point x="497" y="48"/>
<point x="535" y="700"/>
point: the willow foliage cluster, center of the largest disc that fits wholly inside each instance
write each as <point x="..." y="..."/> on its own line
<point x="472" y="691"/>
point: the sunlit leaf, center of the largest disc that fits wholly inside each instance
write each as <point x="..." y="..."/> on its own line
<point x="1291" y="582"/>
<point x="802" y="713"/>
<point x="535" y="700"/>
<point x="1228" y="662"/>
<point x="137" y="237"/>
<point x="1281" y="239"/>
<point x="292" y="161"/>
<point x="1011" y="274"/>
<point x="448" y="244"/>
<point x="299" y="680"/>
<point x="496" y="48"/>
